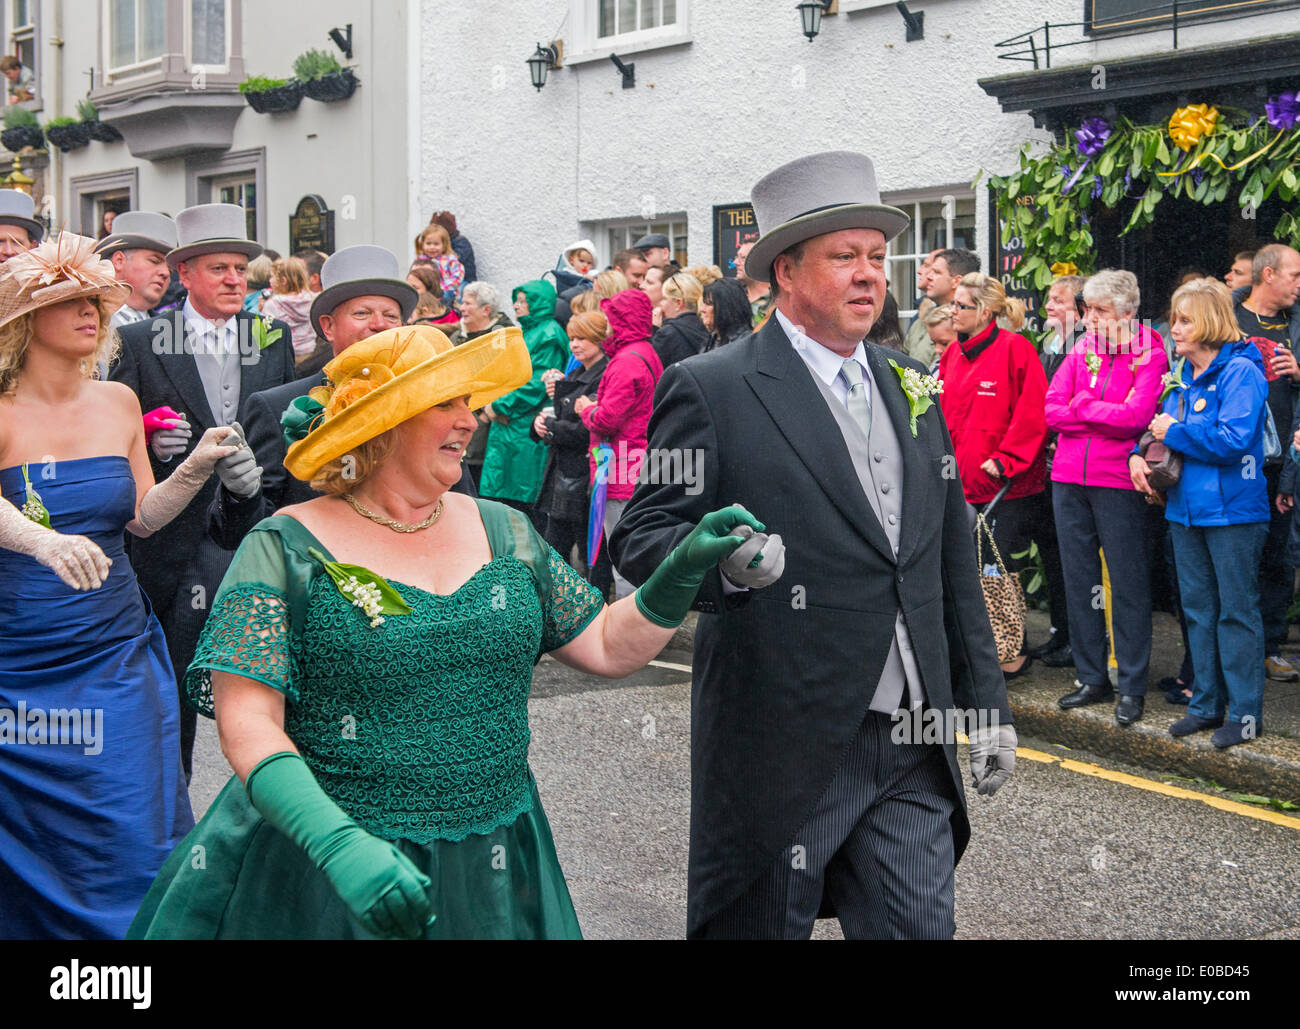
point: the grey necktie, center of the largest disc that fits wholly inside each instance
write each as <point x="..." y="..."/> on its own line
<point x="859" y="402"/>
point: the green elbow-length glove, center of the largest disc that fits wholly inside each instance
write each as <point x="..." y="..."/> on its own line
<point x="378" y="883"/>
<point x="668" y="594"/>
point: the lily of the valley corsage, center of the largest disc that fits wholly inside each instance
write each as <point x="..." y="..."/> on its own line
<point x="33" y="508"/>
<point x="263" y="334"/>
<point x="1172" y="380"/>
<point x="1094" y="366"/>
<point x="364" y="589"/>
<point x="918" y="389"/>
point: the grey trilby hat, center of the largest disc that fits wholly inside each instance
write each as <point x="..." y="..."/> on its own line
<point x="361" y="271"/>
<point x="211" y="229"/>
<point x="812" y="196"/>
<point x="139" y="230"/>
<point x="17" y="208"/>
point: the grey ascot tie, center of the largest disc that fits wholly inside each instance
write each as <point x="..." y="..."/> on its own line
<point x="859" y="403"/>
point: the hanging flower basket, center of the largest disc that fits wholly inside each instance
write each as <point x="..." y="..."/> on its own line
<point x="68" y="137"/>
<point x="22" y="136"/>
<point x="327" y="89"/>
<point x="276" y="100"/>
<point x="102" y="131"/>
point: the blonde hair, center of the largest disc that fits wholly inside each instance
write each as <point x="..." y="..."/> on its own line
<point x="704" y="273"/>
<point x="990" y="296"/>
<point x="292" y="273"/>
<point x="607" y="283"/>
<point x="592" y="326"/>
<point x="937" y="315"/>
<point x="16" y="337"/>
<point x="587" y="300"/>
<point x="1207" y="304"/>
<point x="685" y="288"/>
<point x="259" y="271"/>
<point x="435" y="229"/>
<point x="346" y="473"/>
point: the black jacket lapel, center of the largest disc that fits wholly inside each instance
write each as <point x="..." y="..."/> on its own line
<point x="177" y="362"/>
<point x="785" y="388"/>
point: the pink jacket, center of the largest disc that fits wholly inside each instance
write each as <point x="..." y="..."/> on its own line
<point x="1100" y="423"/>
<point x="625" y="397"/>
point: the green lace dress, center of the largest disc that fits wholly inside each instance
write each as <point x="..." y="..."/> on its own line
<point x="417" y="728"/>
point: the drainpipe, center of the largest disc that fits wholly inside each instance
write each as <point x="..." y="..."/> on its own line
<point x="57" y="217"/>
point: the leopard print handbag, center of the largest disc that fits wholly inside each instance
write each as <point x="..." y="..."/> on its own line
<point x="1003" y="597"/>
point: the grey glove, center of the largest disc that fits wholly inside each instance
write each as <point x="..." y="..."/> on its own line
<point x="992" y="757"/>
<point x="757" y="562"/>
<point x="168" y="443"/>
<point x="239" y="471"/>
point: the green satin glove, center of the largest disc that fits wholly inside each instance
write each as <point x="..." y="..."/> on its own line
<point x="386" y="892"/>
<point x="670" y="591"/>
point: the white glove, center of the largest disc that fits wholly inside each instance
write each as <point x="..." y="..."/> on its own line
<point x="766" y="569"/>
<point x="992" y="757"/>
<point x="239" y="472"/>
<point x="76" y="560"/>
<point x="167" y="443"/>
<point x="166" y="499"/>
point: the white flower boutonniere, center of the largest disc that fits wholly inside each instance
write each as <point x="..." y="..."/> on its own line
<point x="918" y="389"/>
<point x="263" y="334"/>
<point x="1094" y="366"/>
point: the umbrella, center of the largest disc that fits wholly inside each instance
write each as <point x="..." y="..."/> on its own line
<point x="604" y="455"/>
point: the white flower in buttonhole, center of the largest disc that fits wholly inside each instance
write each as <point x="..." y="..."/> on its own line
<point x="1094" y="366"/>
<point x="919" y="389"/>
<point x="366" y="596"/>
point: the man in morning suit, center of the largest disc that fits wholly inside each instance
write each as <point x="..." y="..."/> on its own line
<point x="203" y="361"/>
<point x="364" y="293"/>
<point x="808" y="796"/>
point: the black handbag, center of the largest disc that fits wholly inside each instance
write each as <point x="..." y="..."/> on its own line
<point x="569" y="498"/>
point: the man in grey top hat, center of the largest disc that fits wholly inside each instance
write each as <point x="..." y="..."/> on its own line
<point x="138" y="247"/>
<point x="203" y="361"/>
<point x="822" y="654"/>
<point x="363" y="293"/>
<point x="19" y="229"/>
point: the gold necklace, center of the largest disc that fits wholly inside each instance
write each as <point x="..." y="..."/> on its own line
<point x="396" y="526"/>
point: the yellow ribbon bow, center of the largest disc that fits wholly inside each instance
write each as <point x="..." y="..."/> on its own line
<point x="1188" y="124"/>
<point x="1065" y="268"/>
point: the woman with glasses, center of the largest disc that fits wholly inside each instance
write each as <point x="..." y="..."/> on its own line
<point x="1100" y="402"/>
<point x="992" y="399"/>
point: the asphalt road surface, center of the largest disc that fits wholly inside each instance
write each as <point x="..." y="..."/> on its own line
<point x="1073" y="847"/>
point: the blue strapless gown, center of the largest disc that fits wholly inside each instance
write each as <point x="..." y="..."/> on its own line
<point x="86" y="818"/>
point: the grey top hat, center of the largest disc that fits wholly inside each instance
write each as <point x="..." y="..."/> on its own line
<point x="17" y="208"/>
<point x="211" y="229"/>
<point x="655" y="239"/>
<point x="139" y="230"/>
<point x="815" y="195"/>
<point x="361" y="271"/>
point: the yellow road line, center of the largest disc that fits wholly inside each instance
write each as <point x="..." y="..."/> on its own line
<point x="669" y="664"/>
<point x="1223" y="804"/>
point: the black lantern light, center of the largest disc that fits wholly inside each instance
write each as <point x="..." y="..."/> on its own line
<point x="810" y="14"/>
<point x="544" y="58"/>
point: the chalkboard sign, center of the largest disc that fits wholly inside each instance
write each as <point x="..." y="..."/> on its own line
<point x="311" y="226"/>
<point x="733" y="225"/>
<point x="1003" y="258"/>
<point x="1114" y="15"/>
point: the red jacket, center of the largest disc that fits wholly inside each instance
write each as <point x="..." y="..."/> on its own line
<point x="625" y="397"/>
<point x="993" y="400"/>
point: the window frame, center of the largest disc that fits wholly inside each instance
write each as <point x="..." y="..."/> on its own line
<point x="201" y="171"/>
<point x="111" y="73"/>
<point x="678" y="223"/>
<point x="10" y="37"/>
<point x="212" y="69"/>
<point x="911" y="202"/>
<point x="585" y="45"/>
<point x="84" y="192"/>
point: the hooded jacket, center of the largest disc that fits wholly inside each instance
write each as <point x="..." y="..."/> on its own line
<point x="294" y="309"/>
<point x="514" y="462"/>
<point x="1100" y="419"/>
<point x="992" y="400"/>
<point x="1221" y="437"/>
<point x="621" y="414"/>
<point x="681" y="337"/>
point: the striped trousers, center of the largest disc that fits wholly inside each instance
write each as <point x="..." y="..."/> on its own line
<point x="878" y="847"/>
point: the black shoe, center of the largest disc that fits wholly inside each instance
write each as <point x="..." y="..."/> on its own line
<point x="1087" y="695"/>
<point x="1129" y="709"/>
<point x="1061" y="657"/>
<point x="1008" y="676"/>
<point x="1189" y="724"/>
<point x="1054" y="642"/>
<point x="1233" y="733"/>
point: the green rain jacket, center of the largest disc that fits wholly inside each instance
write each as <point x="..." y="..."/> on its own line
<point x="514" y="463"/>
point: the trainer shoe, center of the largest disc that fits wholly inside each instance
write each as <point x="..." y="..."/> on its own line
<point x="1279" y="669"/>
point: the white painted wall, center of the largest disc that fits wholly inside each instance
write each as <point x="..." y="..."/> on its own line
<point x="355" y="148"/>
<point x="710" y="117"/>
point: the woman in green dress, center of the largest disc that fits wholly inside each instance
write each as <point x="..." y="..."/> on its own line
<point x="368" y="659"/>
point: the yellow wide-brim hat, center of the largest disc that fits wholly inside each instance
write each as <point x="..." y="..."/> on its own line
<point x="380" y="382"/>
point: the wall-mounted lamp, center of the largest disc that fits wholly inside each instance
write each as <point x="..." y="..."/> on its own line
<point x="343" y="40"/>
<point x="544" y="58"/>
<point x="915" y="22"/>
<point x="628" y="71"/>
<point x="810" y="15"/>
